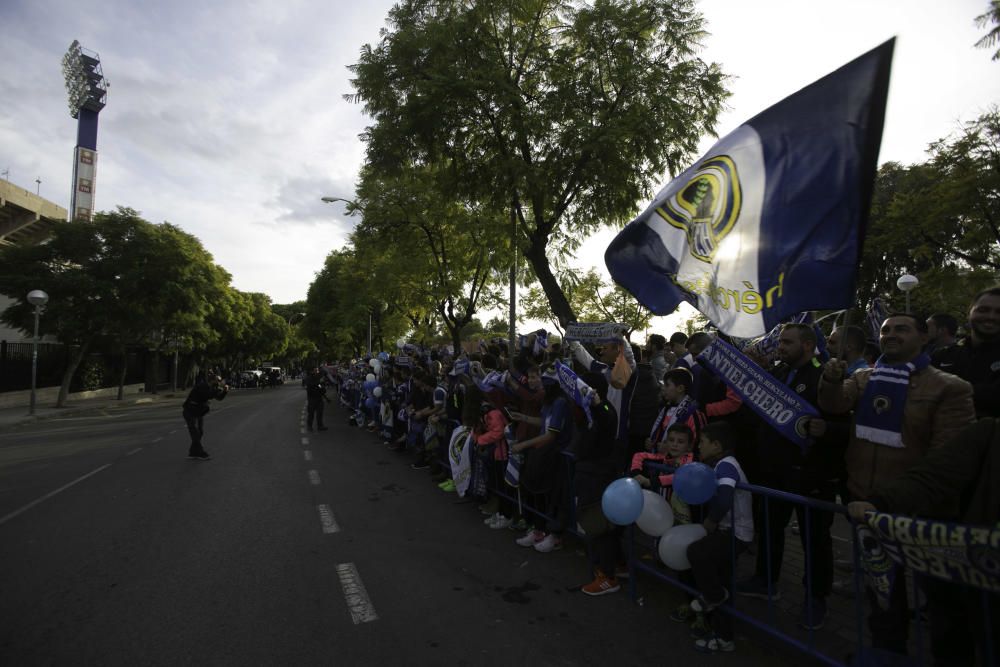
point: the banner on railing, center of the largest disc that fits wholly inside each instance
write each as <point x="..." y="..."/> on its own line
<point x="595" y="332"/>
<point x="954" y="552"/>
<point x="777" y="404"/>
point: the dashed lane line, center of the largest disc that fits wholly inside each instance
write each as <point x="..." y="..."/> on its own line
<point x="327" y="519"/>
<point x="48" y="495"/>
<point x="308" y="455"/>
<point x="305" y="441"/>
<point x="358" y="602"/>
<point x="134" y="451"/>
<point x="314" y="477"/>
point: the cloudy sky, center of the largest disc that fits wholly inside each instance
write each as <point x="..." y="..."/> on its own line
<point x="227" y="118"/>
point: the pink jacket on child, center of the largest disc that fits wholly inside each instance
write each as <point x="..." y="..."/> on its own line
<point x="490" y="432"/>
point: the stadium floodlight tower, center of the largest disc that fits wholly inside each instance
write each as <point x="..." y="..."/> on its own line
<point x="88" y="93"/>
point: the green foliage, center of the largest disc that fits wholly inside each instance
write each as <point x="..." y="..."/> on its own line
<point x="991" y="38"/>
<point x="566" y="113"/>
<point x="939" y="220"/>
<point x="593" y="299"/>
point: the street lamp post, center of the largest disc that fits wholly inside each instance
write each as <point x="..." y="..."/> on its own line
<point x="907" y="284"/>
<point x="38" y="299"/>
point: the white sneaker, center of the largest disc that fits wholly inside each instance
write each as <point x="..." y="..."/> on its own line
<point x="531" y="538"/>
<point x="549" y="543"/>
<point x="500" y="522"/>
<point x="491" y="518"/>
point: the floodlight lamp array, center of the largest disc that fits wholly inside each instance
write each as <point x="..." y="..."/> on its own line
<point x="85" y="83"/>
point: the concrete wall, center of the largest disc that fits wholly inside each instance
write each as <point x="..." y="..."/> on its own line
<point x="47" y="397"/>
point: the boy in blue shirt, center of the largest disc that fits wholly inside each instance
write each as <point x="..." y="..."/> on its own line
<point x="729" y="514"/>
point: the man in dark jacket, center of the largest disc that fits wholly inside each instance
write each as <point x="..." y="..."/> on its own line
<point x="315" y="398"/>
<point x="968" y="467"/>
<point x="196" y="407"/>
<point x="782" y="465"/>
<point x="976" y="358"/>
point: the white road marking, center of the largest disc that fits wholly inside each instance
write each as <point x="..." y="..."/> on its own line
<point x="326" y="518"/>
<point x="358" y="602"/>
<point x="308" y="455"/>
<point x="302" y="429"/>
<point x="134" y="451"/>
<point x="157" y="439"/>
<point x="48" y="495"/>
<point x="172" y="432"/>
<point x="305" y="441"/>
<point x="314" y="478"/>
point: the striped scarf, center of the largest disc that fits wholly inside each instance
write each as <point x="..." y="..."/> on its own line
<point x="879" y="417"/>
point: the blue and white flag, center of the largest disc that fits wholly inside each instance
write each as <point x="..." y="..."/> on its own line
<point x="576" y="389"/>
<point x="494" y="380"/>
<point x="768" y="345"/>
<point x="460" y="457"/>
<point x="770" y="222"/>
<point x="874" y="317"/>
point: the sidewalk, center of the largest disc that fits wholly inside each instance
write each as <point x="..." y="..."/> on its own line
<point x="13" y="417"/>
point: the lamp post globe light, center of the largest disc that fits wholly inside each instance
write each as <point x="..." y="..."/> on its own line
<point x="907" y="284"/>
<point x="38" y="299"/>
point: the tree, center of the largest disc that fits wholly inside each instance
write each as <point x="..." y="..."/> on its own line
<point x="939" y="220"/>
<point x="563" y="114"/>
<point x="991" y="38"/>
<point x="118" y="278"/>
<point x="593" y="299"/>
<point x="447" y="248"/>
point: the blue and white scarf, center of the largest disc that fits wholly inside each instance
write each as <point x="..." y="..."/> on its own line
<point x="879" y="417"/>
<point x="575" y="389"/>
<point x="670" y="415"/>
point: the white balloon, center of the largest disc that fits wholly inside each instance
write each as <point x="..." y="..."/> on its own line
<point x="370" y="377"/>
<point x="401" y="343"/>
<point x="377" y="392"/>
<point x="675" y="542"/>
<point x="657" y="516"/>
<point x="373" y="362"/>
<point x="377" y="366"/>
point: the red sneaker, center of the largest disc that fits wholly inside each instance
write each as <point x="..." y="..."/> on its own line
<point x="602" y="585"/>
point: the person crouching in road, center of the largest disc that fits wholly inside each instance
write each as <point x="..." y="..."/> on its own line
<point x="195" y="409"/>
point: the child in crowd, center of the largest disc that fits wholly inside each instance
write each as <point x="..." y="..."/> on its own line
<point x="675" y="450"/>
<point x="729" y="518"/>
<point x="491" y="444"/>
<point x="543" y="458"/>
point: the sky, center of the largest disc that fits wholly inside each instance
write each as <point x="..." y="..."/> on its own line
<point x="228" y="119"/>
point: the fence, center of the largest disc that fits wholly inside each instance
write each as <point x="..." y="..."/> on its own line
<point x="98" y="370"/>
<point x="831" y="652"/>
<point x="825" y="649"/>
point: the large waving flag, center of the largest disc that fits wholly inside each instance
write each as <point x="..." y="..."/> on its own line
<point x="770" y="221"/>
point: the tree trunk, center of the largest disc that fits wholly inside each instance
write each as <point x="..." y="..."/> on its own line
<point x="121" y="376"/>
<point x="71" y="366"/>
<point x="553" y="292"/>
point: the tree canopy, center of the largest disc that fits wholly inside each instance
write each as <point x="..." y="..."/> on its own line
<point x="563" y="114"/>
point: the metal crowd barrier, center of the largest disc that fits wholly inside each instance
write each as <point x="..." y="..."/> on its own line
<point x="862" y="654"/>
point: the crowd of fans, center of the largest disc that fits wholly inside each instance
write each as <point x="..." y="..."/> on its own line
<point x="540" y="461"/>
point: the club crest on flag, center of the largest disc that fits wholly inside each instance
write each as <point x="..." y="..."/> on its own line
<point x="707" y="207"/>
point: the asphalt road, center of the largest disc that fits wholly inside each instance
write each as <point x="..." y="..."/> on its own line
<point x="287" y="548"/>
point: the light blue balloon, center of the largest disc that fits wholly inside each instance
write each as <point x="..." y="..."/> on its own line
<point x="694" y="483"/>
<point x="622" y="501"/>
